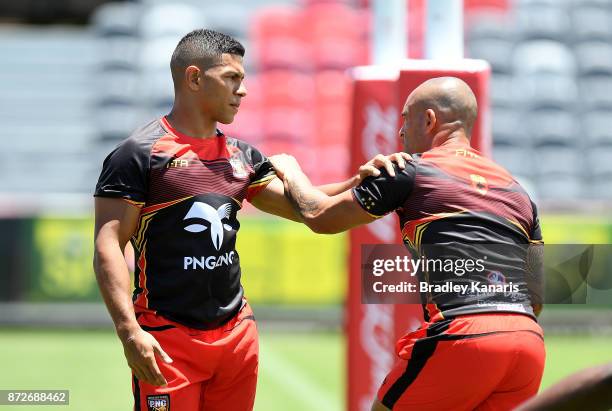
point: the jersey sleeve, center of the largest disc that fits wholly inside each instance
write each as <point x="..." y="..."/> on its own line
<point x="536" y="231"/>
<point x="263" y="172"/>
<point x="124" y="173"/>
<point x="381" y="195"/>
<point x="535" y="261"/>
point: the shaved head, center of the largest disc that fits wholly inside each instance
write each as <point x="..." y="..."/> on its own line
<point x="451" y="98"/>
<point x="438" y="109"/>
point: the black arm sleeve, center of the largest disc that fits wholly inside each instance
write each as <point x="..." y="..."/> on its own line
<point x="535" y="261"/>
<point x="261" y="165"/>
<point x="263" y="172"/>
<point x="383" y="194"/>
<point x="536" y="231"/>
<point x="125" y="172"/>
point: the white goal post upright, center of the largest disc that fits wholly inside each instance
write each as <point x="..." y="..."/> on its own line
<point x="444" y="25"/>
<point x="389" y="41"/>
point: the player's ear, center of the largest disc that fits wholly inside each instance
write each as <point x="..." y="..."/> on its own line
<point x="193" y="78"/>
<point x="430" y="120"/>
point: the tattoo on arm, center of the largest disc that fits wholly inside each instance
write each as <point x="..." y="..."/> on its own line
<point x="302" y="200"/>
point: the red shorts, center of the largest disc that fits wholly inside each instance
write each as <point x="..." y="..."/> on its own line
<point x="473" y="362"/>
<point x="212" y="370"/>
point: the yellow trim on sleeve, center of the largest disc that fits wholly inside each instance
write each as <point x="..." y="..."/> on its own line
<point x="138" y="204"/>
<point x="262" y="181"/>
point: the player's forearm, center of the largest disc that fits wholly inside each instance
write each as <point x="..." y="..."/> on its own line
<point x="337" y="188"/>
<point x="114" y="282"/>
<point x="309" y="202"/>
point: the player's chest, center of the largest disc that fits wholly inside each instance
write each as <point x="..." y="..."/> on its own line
<point x="179" y="177"/>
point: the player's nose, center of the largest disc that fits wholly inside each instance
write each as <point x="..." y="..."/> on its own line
<point x="242" y="90"/>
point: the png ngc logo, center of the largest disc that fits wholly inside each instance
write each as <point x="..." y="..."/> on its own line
<point x="214" y="217"/>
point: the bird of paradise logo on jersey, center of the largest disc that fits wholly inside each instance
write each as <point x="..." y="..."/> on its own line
<point x="214" y="217"/>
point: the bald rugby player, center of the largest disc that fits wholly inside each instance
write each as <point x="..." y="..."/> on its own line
<point x="484" y="353"/>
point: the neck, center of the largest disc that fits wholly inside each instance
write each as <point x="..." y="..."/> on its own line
<point x="450" y="134"/>
<point x="188" y="120"/>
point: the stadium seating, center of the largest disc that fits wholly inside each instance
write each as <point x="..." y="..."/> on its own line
<point x="543" y="56"/>
<point x="496" y="51"/>
<point x="335" y="33"/>
<point x="279" y="40"/>
<point x="516" y="159"/>
<point x="594" y="58"/>
<point x="560" y="187"/>
<point x="506" y="127"/>
<point x="596" y="92"/>
<point x="46" y="112"/>
<point x="170" y="20"/>
<point x="558" y="159"/>
<point x="554" y="102"/>
<point x="543" y="21"/>
<point x="552" y="126"/>
<point x="551" y="89"/>
<point x="118" y="52"/>
<point x="119" y="85"/>
<point x="116" y="121"/>
<point x="597" y="126"/>
<point x="503" y="93"/>
<point x="117" y="19"/>
<point x="489" y="24"/>
<point x="599" y="163"/>
<point x="591" y="23"/>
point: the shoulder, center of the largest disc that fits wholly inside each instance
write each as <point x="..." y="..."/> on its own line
<point x="143" y="137"/>
<point x="141" y="141"/>
<point x="250" y="152"/>
<point x="136" y="149"/>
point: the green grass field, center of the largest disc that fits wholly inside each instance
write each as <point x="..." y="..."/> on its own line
<point x="304" y="370"/>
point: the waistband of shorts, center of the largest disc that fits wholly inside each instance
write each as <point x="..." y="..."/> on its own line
<point x="148" y="315"/>
<point x="491" y="322"/>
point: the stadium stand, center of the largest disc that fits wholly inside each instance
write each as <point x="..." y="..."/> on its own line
<point x="46" y="112"/>
<point x="551" y="86"/>
<point x="550" y="91"/>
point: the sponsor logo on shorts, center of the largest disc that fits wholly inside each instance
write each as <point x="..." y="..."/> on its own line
<point x="158" y="402"/>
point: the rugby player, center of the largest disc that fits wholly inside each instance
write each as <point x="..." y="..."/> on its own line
<point x="173" y="189"/>
<point x="471" y="353"/>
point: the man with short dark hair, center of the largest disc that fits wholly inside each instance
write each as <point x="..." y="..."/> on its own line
<point x="475" y="350"/>
<point x="173" y="189"/>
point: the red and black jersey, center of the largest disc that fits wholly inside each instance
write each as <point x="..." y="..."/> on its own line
<point x="189" y="191"/>
<point x="451" y="198"/>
